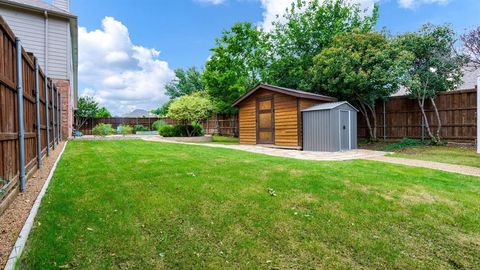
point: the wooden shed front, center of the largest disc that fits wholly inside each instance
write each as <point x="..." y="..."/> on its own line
<point x="271" y="115"/>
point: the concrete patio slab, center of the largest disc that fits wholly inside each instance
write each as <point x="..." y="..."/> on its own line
<point x="305" y="155"/>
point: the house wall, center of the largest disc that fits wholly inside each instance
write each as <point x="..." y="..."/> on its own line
<point x="288" y="128"/>
<point x="30" y="28"/>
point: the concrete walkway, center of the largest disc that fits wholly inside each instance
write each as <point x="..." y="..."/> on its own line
<point x="328" y="156"/>
<point x="460" y="169"/>
<point x="306" y="155"/>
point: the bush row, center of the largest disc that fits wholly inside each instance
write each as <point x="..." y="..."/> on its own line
<point x="181" y="130"/>
<point x="160" y="125"/>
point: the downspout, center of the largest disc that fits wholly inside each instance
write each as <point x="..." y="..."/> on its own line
<point x="46" y="43"/>
<point x="21" y="129"/>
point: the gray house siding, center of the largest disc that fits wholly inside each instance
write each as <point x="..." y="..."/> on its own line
<point x="30" y="28"/>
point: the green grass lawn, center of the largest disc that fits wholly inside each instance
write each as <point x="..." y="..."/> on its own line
<point x="446" y="154"/>
<point x="147" y="205"/>
<point x="224" y="139"/>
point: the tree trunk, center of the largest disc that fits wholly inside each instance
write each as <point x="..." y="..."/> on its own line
<point x="425" y="120"/>
<point x="439" y="122"/>
<point x="374" y="119"/>
<point x="364" y="111"/>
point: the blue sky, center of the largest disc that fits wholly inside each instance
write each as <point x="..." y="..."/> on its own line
<point x="167" y="34"/>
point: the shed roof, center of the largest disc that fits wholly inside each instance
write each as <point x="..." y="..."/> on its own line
<point x="283" y="90"/>
<point x="328" y="106"/>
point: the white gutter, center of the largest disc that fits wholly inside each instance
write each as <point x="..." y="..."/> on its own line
<point x="45" y="64"/>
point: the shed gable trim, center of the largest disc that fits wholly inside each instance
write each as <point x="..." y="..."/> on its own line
<point x="286" y="91"/>
<point x="329" y="106"/>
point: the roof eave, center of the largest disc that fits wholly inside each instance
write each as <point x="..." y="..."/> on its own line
<point x="38" y="9"/>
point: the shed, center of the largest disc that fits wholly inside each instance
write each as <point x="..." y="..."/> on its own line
<point x="271" y="115"/>
<point x="330" y="127"/>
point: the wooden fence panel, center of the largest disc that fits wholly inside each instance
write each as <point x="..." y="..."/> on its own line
<point x="9" y="128"/>
<point x="457" y="111"/>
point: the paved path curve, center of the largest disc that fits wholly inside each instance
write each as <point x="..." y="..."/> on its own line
<point x="467" y="170"/>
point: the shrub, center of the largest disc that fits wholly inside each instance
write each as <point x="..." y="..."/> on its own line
<point x="158" y="124"/>
<point x="140" y="128"/>
<point x="181" y="130"/>
<point x="102" y="129"/>
<point x="124" y="129"/>
<point x="405" y="142"/>
<point x="168" y="131"/>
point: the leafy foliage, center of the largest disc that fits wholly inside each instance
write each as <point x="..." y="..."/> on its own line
<point x="103" y="113"/>
<point x="190" y="108"/>
<point x="306" y="29"/>
<point x="124" y="129"/>
<point x="140" y="128"/>
<point x="158" y="124"/>
<point x="239" y="61"/>
<point x="435" y="67"/>
<point x="405" y="142"/>
<point x="185" y="83"/>
<point x="162" y="110"/>
<point x="361" y="68"/>
<point x="181" y="130"/>
<point x="102" y="129"/>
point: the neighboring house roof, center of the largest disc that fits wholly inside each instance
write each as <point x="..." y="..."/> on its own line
<point x="39" y="5"/>
<point x="283" y="90"/>
<point x="139" y="113"/>
<point x="469" y="81"/>
<point x="328" y="106"/>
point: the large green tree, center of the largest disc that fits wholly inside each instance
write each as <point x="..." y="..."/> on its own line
<point x="103" y="113"/>
<point x="239" y="61"/>
<point x="435" y="68"/>
<point x="190" y="109"/>
<point x="305" y="30"/>
<point x="185" y="82"/>
<point x="361" y="67"/>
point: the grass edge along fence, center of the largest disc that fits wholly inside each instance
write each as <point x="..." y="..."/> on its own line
<point x="217" y="124"/>
<point x="400" y="117"/>
<point x="30" y="116"/>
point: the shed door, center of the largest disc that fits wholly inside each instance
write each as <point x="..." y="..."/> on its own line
<point x="344" y="130"/>
<point x="265" y="120"/>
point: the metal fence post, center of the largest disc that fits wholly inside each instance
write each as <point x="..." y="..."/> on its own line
<point x="47" y="115"/>
<point x="60" y="116"/>
<point x="478" y="115"/>
<point x="53" y="115"/>
<point x="57" y="95"/>
<point x="21" y="128"/>
<point x="37" y="107"/>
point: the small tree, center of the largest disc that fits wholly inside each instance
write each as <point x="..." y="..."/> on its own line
<point x="471" y="44"/>
<point x="190" y="109"/>
<point x="435" y="68"/>
<point x="361" y="68"/>
<point x="103" y="113"/>
<point x="87" y="108"/>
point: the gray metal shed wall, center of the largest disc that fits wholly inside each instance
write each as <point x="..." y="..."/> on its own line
<point x="321" y="129"/>
<point x="316" y="131"/>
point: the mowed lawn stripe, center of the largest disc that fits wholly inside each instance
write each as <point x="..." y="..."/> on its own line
<point x="142" y="205"/>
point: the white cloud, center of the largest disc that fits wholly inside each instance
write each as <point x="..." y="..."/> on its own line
<point x="416" y="3"/>
<point x="118" y="74"/>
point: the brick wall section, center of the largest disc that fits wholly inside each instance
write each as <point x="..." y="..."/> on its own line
<point x="67" y="107"/>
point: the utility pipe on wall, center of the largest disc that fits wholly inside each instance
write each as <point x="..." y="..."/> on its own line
<point x="47" y="115"/>
<point x="53" y="114"/>
<point x="21" y="128"/>
<point x="37" y="107"/>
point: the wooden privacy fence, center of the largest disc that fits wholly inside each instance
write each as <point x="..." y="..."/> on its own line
<point x="400" y="117"/>
<point x="218" y="124"/>
<point x="30" y="114"/>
